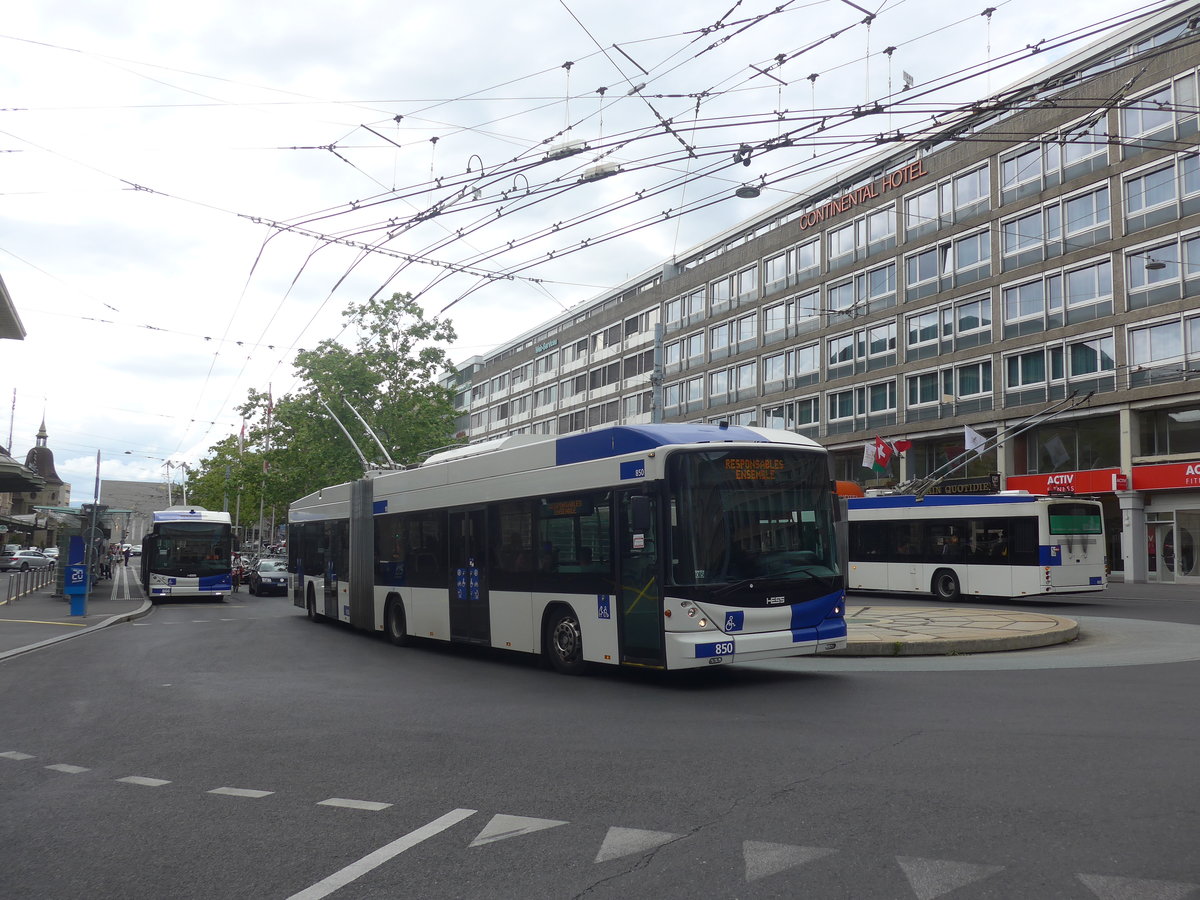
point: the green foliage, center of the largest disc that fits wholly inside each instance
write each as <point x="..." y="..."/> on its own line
<point x="390" y="378"/>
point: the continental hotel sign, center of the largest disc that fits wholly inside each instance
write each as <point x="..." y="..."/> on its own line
<point x="846" y="202"/>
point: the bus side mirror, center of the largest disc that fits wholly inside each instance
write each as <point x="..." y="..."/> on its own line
<point x="639" y="513"/>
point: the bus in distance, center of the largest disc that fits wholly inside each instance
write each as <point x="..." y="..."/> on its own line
<point x="661" y="546"/>
<point x="1011" y="544"/>
<point x="188" y="553"/>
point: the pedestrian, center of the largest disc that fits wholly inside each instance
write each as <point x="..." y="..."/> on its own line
<point x="128" y="553"/>
<point x="237" y="573"/>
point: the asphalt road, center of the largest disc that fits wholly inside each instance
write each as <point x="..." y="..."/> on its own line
<point x="239" y="750"/>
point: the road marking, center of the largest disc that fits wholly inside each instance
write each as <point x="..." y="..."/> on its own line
<point x="354" y="804"/>
<point x="70" y="770"/>
<point x="356" y="870"/>
<point x="241" y="792"/>
<point x="502" y="827"/>
<point x="1108" y="887"/>
<point x="931" y="878"/>
<point x="763" y="859"/>
<point x="620" y="842"/>
<point x="14" y="754"/>
<point x="145" y="782"/>
<point x="40" y="622"/>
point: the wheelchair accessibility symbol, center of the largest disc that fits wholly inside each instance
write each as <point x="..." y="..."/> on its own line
<point x="735" y="621"/>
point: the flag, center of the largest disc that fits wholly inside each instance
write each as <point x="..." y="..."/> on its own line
<point x="877" y="455"/>
<point x="973" y="439"/>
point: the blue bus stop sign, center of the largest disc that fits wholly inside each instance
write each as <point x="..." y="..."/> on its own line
<point x="75" y="585"/>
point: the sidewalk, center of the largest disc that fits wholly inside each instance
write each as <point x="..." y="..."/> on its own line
<point x="40" y="618"/>
<point x="946" y="631"/>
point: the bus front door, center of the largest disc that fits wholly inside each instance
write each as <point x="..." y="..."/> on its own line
<point x="640" y="622"/>
<point x="470" y="616"/>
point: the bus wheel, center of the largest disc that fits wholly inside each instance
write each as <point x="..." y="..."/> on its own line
<point x="397" y="628"/>
<point x="945" y="586"/>
<point x="310" y="605"/>
<point x="564" y="642"/>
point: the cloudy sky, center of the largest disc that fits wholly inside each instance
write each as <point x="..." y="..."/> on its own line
<point x="188" y="195"/>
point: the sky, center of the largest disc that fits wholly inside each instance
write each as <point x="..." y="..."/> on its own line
<point x="189" y="194"/>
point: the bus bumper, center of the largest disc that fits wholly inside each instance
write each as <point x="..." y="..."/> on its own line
<point x="711" y="648"/>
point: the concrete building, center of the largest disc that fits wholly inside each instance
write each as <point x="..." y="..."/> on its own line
<point x="1041" y="247"/>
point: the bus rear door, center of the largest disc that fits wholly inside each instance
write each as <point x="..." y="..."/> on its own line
<point x="640" y="622"/>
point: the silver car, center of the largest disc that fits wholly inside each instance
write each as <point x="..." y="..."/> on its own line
<point x="24" y="560"/>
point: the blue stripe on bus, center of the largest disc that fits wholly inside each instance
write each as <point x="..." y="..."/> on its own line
<point x="831" y="629"/>
<point x="379" y="507"/>
<point x="905" y="501"/>
<point x="1049" y="555"/>
<point x="624" y="439"/>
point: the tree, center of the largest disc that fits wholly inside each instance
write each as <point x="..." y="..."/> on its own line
<point x="390" y="378"/>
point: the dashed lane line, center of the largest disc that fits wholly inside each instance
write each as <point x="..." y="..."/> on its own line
<point x="143" y="781"/>
<point x="370" y="805"/>
<point x="241" y="792"/>
<point x="70" y="770"/>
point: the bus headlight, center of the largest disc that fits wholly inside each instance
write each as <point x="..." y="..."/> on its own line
<point x="703" y="623"/>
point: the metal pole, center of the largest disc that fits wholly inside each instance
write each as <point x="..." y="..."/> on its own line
<point x="656" y="377"/>
<point x="91" y="557"/>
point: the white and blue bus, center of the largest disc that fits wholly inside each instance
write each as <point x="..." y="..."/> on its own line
<point x="188" y="553"/>
<point x="662" y="546"/>
<point x="1011" y="544"/>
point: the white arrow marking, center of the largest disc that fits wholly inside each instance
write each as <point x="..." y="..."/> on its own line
<point x="1108" y="887"/>
<point x="932" y="878"/>
<point x="626" y="841"/>
<point x="763" y="859"/>
<point x="502" y="827"/>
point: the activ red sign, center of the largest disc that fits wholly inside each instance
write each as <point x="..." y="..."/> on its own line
<point x="1166" y="476"/>
<point x="1092" y="481"/>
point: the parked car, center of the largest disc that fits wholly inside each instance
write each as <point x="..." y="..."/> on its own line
<point x="24" y="560"/>
<point x="52" y="552"/>
<point x="270" y="576"/>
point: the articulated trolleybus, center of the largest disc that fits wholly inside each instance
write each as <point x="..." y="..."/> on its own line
<point x="664" y="546"/>
<point x="188" y="553"/>
<point x="1010" y="544"/>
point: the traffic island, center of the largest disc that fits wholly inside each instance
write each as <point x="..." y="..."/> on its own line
<point x="948" y="631"/>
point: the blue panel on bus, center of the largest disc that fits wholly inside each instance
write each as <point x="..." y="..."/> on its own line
<point x="216" y="582"/>
<point x="804" y="635"/>
<point x="623" y="439"/>
<point x="1049" y="555"/>
<point x="831" y="629"/>
<point x="1096" y="579"/>
<point x="633" y="469"/>
<point x="719" y="648"/>
<point x="379" y="507"/>
<point x="813" y="612"/>
<point x="735" y="620"/>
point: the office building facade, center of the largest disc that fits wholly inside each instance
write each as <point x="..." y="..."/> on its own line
<point x="1032" y="271"/>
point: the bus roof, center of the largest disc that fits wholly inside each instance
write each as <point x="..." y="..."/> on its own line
<point x="621" y="439"/>
<point x="191" y="514"/>
<point x="909" y="501"/>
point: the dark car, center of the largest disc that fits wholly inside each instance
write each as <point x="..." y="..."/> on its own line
<point x="270" y="576"/>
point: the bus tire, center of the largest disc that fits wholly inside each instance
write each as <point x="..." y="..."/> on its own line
<point x="563" y="642"/>
<point x="310" y="606"/>
<point x="945" y="586"/>
<point x="395" y="625"/>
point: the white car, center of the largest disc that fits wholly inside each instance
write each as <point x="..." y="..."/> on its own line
<point x="52" y="552"/>
<point x="24" y="560"/>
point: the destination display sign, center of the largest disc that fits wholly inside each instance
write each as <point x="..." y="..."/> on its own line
<point x="754" y="469"/>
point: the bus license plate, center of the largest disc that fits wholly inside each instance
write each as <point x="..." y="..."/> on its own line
<point x="718" y="648"/>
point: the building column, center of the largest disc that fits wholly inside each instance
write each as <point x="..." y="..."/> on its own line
<point x="1133" y="536"/>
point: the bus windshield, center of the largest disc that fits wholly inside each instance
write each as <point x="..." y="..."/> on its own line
<point x="192" y="548"/>
<point x="749" y="513"/>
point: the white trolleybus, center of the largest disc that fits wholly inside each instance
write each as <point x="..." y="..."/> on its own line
<point x="664" y="546"/>
<point x="188" y="553"/>
<point x="1011" y="544"/>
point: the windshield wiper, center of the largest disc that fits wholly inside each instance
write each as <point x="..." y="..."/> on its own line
<point x="735" y="586"/>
